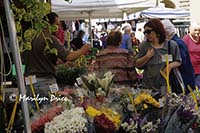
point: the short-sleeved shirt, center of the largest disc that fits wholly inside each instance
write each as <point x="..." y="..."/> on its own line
<point x="152" y="79"/>
<point x="40" y="62"/>
<point x="194" y="51"/>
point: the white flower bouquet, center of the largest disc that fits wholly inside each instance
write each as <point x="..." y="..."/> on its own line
<point x="70" y="121"/>
<point x="100" y="85"/>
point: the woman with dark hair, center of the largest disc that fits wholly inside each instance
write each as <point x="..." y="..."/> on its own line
<point x="151" y="56"/>
<point x="117" y="60"/>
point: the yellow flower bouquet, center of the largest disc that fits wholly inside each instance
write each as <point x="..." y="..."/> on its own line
<point x="144" y="100"/>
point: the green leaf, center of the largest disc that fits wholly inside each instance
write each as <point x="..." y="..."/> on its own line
<point x="54" y="51"/>
<point x="29" y="34"/>
<point x="49" y="40"/>
<point x="46" y="49"/>
<point x="18" y="26"/>
<point x="53" y="28"/>
<point x="27" y="46"/>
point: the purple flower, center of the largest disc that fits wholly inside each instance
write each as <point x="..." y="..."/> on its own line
<point x="184" y="114"/>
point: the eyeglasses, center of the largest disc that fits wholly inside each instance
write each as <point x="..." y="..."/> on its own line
<point x="147" y="31"/>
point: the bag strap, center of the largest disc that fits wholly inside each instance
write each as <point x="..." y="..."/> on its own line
<point x="169" y="47"/>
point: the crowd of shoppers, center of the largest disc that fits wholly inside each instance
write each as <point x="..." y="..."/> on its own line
<point x="119" y="56"/>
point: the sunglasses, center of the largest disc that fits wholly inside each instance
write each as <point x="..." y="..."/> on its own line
<point x="147" y="31"/>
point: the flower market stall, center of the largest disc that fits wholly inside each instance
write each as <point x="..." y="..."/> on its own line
<point x="95" y="104"/>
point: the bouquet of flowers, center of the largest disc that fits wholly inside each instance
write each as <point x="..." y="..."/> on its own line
<point x="38" y="124"/>
<point x="143" y="100"/>
<point x="140" y="109"/>
<point x="48" y="113"/>
<point x="99" y="85"/>
<point x="103" y="124"/>
<point x="146" y="105"/>
<point x="110" y="114"/>
<point x="182" y="115"/>
<point x="72" y="121"/>
<point x="135" y="126"/>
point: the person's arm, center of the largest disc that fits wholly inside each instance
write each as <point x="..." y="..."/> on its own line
<point x="66" y="55"/>
<point x="140" y="62"/>
<point x="75" y="54"/>
<point x="172" y="65"/>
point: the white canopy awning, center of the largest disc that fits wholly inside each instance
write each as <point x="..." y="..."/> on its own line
<point x="162" y="12"/>
<point x="80" y="9"/>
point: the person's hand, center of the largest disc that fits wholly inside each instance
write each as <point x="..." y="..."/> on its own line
<point x="150" y="53"/>
<point x="169" y="69"/>
<point x="86" y="48"/>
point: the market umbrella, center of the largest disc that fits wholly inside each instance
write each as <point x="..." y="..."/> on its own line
<point x="90" y="9"/>
<point x="83" y="9"/>
<point x="163" y="12"/>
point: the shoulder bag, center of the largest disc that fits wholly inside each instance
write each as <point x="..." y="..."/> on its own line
<point x="175" y="78"/>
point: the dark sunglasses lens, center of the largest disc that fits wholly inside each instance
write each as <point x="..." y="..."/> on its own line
<point x="147" y="31"/>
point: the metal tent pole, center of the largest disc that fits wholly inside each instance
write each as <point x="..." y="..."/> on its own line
<point x="90" y="27"/>
<point x="18" y="64"/>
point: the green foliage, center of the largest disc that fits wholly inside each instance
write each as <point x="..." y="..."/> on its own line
<point x="28" y="15"/>
<point x="92" y="54"/>
<point x="67" y="75"/>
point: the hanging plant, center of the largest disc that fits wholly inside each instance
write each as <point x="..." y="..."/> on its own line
<point x="29" y="21"/>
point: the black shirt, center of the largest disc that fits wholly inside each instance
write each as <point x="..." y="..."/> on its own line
<point x="77" y="43"/>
